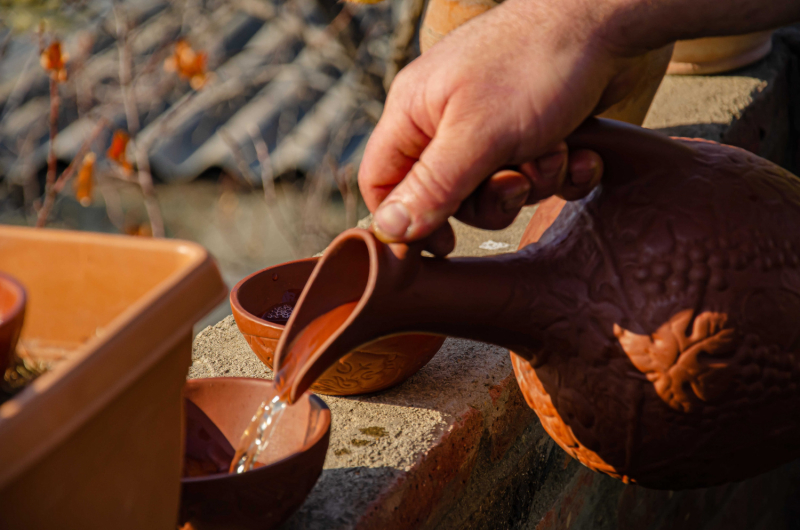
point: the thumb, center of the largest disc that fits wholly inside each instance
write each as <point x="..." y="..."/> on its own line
<point x="452" y="166"/>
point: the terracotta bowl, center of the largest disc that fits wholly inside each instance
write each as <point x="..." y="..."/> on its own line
<point x="266" y="496"/>
<point x="376" y="366"/>
<point x="715" y="55"/>
<point x="12" y="314"/>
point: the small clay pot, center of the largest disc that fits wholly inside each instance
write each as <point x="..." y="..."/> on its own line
<point x="12" y="314"/>
<point x="715" y="55"/>
<point x="268" y="495"/>
<point x="379" y="365"/>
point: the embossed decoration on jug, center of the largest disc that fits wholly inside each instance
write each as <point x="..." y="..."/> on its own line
<point x="668" y="335"/>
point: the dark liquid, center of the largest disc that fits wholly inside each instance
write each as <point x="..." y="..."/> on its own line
<point x="280" y="313"/>
<point x="256" y="438"/>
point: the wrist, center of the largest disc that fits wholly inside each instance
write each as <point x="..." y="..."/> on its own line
<point x="629" y="28"/>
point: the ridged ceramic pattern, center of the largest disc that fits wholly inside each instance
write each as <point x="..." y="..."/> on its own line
<point x="363" y="372"/>
<point x="670" y="351"/>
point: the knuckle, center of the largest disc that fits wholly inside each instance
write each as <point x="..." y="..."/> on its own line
<point x="431" y="188"/>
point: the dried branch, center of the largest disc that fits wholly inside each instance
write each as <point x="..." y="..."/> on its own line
<point x="268" y="183"/>
<point x="99" y="127"/>
<point x="144" y="175"/>
<point x="345" y="181"/>
<point x="403" y="40"/>
<point x="50" y="181"/>
<point x="54" y="188"/>
<point x="246" y="174"/>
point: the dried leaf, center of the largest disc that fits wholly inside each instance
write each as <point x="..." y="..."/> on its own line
<point x="84" y="184"/>
<point x="54" y="61"/>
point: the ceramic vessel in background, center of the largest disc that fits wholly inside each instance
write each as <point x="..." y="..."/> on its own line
<point x="443" y="16"/>
<point x="373" y="367"/>
<point x="12" y="315"/>
<point x="651" y="322"/>
<point x="715" y="55"/>
<point x="266" y="496"/>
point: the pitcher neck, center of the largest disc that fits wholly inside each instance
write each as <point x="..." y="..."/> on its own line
<point x="366" y="290"/>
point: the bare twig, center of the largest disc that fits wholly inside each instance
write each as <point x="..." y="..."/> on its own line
<point x="345" y="180"/>
<point x="245" y="172"/>
<point x="148" y="190"/>
<point x="30" y="189"/>
<point x="334" y="29"/>
<point x="270" y="197"/>
<point x="53" y="189"/>
<point x="125" y="67"/>
<point x="144" y="175"/>
<point x="403" y="39"/>
<point x="317" y="188"/>
<point x="49" y="189"/>
<point x="66" y="175"/>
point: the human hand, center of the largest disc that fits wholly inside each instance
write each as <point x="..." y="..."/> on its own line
<point x="501" y="91"/>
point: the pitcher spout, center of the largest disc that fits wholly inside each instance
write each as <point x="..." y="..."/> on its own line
<point x="362" y="290"/>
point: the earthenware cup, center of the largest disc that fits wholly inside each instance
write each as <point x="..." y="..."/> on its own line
<point x="12" y="315"/>
<point x="376" y="366"/>
<point x="268" y="495"/>
<point x="715" y="55"/>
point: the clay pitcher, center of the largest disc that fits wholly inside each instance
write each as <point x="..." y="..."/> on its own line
<point x="653" y="325"/>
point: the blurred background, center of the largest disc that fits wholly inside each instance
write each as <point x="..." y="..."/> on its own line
<point x="238" y="124"/>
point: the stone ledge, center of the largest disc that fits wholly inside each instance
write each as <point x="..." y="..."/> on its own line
<point x="456" y="446"/>
<point x="755" y="108"/>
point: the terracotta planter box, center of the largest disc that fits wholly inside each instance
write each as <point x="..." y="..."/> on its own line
<point x="96" y="442"/>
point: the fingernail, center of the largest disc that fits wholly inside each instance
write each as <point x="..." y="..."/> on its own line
<point x="392" y="220"/>
<point x="582" y="171"/>
<point x="550" y="166"/>
<point x="513" y="198"/>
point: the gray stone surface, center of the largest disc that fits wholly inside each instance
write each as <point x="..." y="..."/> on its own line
<point x="754" y="107"/>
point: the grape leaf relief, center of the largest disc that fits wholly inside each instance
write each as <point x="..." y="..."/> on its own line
<point x="683" y="366"/>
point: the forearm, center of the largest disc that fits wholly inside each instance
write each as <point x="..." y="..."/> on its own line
<point x="648" y="24"/>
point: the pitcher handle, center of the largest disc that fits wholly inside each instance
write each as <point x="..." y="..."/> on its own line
<point x="628" y="150"/>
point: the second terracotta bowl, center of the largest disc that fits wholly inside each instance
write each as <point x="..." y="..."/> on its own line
<point x="268" y="495"/>
<point x="12" y="314"/>
<point x="716" y="55"/>
<point x="376" y="366"/>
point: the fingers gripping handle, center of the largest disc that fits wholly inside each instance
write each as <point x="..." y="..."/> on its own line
<point x="627" y="150"/>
